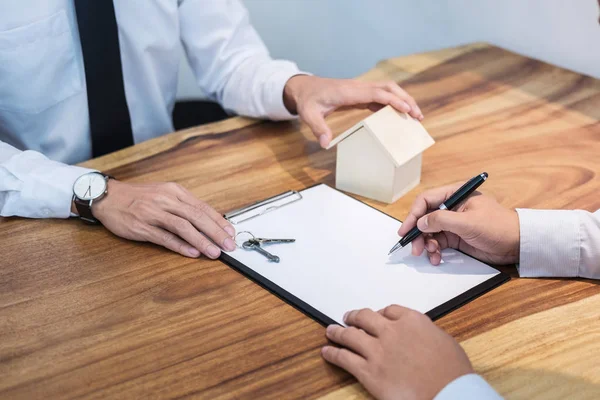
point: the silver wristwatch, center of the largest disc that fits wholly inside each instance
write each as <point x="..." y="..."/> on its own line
<point x="89" y="188"/>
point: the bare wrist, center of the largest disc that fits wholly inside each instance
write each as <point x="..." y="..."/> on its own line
<point x="291" y="90"/>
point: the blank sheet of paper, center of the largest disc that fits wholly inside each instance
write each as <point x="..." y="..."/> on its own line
<point x="339" y="261"/>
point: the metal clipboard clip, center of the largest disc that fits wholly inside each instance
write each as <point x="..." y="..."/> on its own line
<point x="262" y="207"/>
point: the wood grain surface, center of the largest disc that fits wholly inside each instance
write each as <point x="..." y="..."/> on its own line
<point x="86" y="314"/>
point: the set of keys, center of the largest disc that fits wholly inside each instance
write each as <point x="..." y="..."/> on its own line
<point x="256" y="244"/>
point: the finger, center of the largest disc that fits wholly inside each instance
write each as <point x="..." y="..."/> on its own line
<point x="415" y="111"/>
<point x="352" y="338"/>
<point x="185" y="230"/>
<point x="345" y="359"/>
<point x="433" y="250"/>
<point x="431" y="244"/>
<point x="394" y="312"/>
<point x="384" y="97"/>
<point x="444" y="220"/>
<point x="443" y="240"/>
<point x="439" y="242"/>
<point x="170" y="241"/>
<point x="435" y="258"/>
<point x="315" y="120"/>
<point x="431" y="199"/>
<point x="186" y="196"/>
<point x="367" y="320"/>
<point x="202" y="222"/>
<point x="370" y="94"/>
<point x="408" y="224"/>
<point x="418" y="245"/>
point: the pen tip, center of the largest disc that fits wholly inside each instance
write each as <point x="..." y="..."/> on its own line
<point x="484" y="175"/>
<point x="396" y="247"/>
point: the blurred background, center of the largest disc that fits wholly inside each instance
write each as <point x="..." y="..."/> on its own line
<point x="344" y="38"/>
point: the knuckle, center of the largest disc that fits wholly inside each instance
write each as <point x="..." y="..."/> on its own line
<point x="390" y="85"/>
<point x="137" y="225"/>
<point x="413" y="315"/>
<point x="389" y="311"/>
<point x="334" y="355"/>
<point x="346" y="334"/>
<point x="160" y="199"/>
<point x="204" y="207"/>
<point x="202" y="244"/>
<point x="170" y="186"/>
<point x="167" y="238"/>
<point x="361" y="316"/>
<point x="343" y="356"/>
<point x="183" y="225"/>
<point x="198" y="214"/>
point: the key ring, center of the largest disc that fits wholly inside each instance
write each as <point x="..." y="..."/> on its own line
<point x="241" y="246"/>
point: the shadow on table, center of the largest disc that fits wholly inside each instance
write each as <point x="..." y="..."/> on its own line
<point x="302" y="158"/>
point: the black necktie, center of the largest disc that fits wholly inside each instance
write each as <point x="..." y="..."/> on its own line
<point x="109" y="115"/>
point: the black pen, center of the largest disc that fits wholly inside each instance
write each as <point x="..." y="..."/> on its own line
<point x="461" y="194"/>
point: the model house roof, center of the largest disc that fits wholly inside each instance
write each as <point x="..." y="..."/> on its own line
<point x="400" y="136"/>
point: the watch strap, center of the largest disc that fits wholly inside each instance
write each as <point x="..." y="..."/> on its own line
<point x="84" y="208"/>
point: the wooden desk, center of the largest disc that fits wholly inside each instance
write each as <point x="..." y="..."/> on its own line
<point x="86" y="314"/>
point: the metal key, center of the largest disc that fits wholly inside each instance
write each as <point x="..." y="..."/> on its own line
<point x="253" y="245"/>
<point x="262" y="241"/>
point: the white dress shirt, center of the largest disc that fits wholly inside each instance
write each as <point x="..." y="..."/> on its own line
<point x="468" y="387"/>
<point x="43" y="99"/>
<point x="554" y="243"/>
<point x="559" y="243"/>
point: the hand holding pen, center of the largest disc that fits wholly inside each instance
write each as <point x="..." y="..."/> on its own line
<point x="478" y="226"/>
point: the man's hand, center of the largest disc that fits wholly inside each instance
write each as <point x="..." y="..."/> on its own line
<point x="479" y="227"/>
<point x="313" y="98"/>
<point x="165" y="214"/>
<point x="397" y="353"/>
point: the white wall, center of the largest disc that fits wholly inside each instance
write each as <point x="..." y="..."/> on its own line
<point x="344" y="38"/>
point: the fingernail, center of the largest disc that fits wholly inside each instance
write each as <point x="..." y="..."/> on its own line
<point x="193" y="252"/>
<point x="346" y="315"/>
<point x="424" y="222"/>
<point x="213" y="251"/>
<point x="229" y="229"/>
<point x="330" y="329"/>
<point x="323" y="140"/>
<point x="324" y="350"/>
<point x="229" y="244"/>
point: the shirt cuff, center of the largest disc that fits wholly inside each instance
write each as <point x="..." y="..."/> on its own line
<point x="43" y="187"/>
<point x="471" y="386"/>
<point x="273" y="89"/>
<point x="550" y="243"/>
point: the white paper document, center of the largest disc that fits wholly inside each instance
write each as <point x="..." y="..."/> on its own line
<point x="339" y="261"/>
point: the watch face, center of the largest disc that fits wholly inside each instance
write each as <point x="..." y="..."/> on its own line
<point x="89" y="186"/>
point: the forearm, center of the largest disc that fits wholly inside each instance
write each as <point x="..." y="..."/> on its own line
<point x="558" y="243"/>
<point x="230" y="61"/>
<point x="33" y="186"/>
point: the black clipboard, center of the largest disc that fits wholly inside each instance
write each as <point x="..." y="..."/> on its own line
<point x="306" y="308"/>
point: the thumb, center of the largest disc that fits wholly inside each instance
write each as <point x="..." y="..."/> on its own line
<point x="316" y="122"/>
<point x="444" y="220"/>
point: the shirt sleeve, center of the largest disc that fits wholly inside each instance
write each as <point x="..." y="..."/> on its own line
<point x="468" y="387"/>
<point x="230" y="61"/>
<point x="33" y="186"/>
<point x="559" y="243"/>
